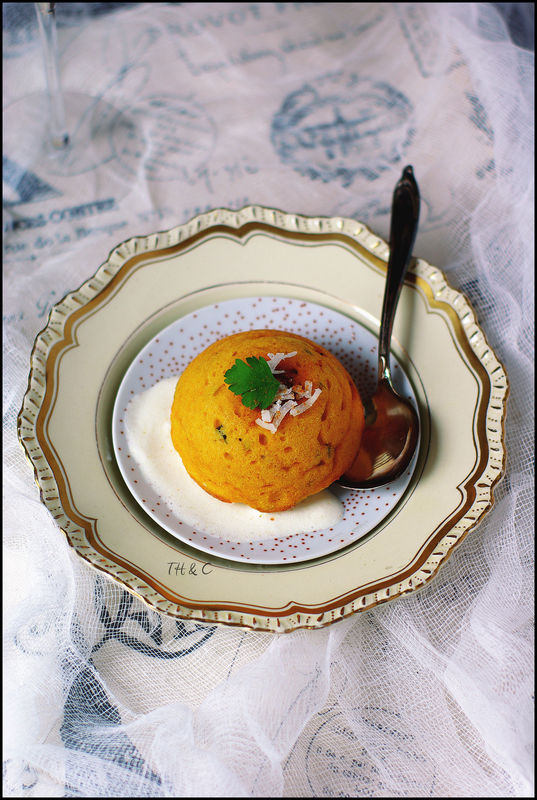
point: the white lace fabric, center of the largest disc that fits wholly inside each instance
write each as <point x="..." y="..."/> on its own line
<point x="428" y="695"/>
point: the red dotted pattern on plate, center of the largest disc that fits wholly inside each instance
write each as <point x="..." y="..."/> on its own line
<point x="169" y="353"/>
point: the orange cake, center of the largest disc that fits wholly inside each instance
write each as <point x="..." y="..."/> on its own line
<point x="269" y="457"/>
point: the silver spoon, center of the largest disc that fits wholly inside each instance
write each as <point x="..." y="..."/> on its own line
<point x="391" y="423"/>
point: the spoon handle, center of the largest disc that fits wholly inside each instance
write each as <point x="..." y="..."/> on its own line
<point x="404" y="225"/>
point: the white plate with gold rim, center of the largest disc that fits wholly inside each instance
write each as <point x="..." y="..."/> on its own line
<point x="164" y="358"/>
<point x="149" y="283"/>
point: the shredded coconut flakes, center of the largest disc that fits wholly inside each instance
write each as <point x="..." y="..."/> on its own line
<point x="270" y="426"/>
<point x="286" y="398"/>
<point x="306" y="404"/>
<point x="274" y="360"/>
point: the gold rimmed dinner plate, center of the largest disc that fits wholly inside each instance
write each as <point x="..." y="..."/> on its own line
<point x="147" y="285"/>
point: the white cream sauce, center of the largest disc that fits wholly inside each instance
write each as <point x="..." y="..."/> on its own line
<point x="148" y="431"/>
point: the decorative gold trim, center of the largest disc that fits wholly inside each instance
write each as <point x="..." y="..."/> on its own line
<point x="82" y="532"/>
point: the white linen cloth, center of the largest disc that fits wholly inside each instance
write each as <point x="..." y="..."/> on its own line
<point x="428" y="695"/>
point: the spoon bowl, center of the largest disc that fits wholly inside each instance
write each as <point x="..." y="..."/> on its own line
<point x="391" y="422"/>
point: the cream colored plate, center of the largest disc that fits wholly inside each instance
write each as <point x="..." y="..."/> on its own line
<point x="93" y="335"/>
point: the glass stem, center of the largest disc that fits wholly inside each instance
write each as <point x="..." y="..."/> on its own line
<point x="46" y="20"/>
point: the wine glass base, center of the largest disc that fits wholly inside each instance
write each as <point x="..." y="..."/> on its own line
<point x="95" y="130"/>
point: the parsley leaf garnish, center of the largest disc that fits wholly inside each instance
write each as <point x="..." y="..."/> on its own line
<point x="254" y="381"/>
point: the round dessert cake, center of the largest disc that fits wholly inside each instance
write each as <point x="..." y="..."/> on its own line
<point x="266" y="434"/>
